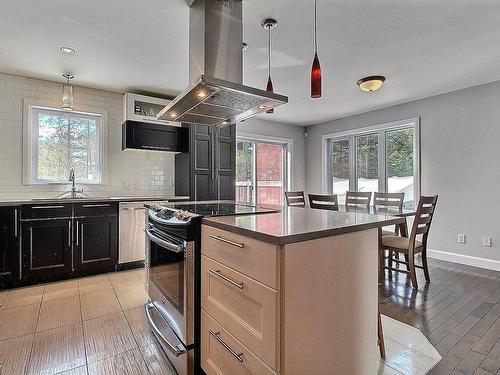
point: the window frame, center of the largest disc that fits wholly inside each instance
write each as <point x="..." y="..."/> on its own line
<point x="381" y="130"/>
<point x="30" y="136"/>
<point x="287" y="157"/>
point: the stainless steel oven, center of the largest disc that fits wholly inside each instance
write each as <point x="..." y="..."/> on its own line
<point x="170" y="264"/>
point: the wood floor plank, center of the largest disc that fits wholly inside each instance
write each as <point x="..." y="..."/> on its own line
<point x="156" y="361"/>
<point x="99" y="304"/>
<point x="23" y="297"/>
<point x="59" y="312"/>
<point x="128" y="363"/>
<point x="14" y="354"/>
<point x="120" y="279"/>
<point x="57" y="350"/>
<point x="82" y="370"/>
<point x="469" y="364"/>
<point x="491" y="363"/>
<point x="107" y="336"/>
<point x="131" y="295"/>
<point x="60" y="290"/>
<point x="137" y="321"/>
<point x="18" y="321"/>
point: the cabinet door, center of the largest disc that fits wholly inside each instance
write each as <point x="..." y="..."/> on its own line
<point x="9" y="254"/>
<point x="46" y="248"/>
<point x="95" y="244"/>
<point x="225" y="162"/>
<point x="202" y="163"/>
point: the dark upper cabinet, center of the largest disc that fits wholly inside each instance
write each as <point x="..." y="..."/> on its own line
<point x="154" y="137"/>
<point x="96" y="244"/>
<point x="9" y="245"/>
<point x="46" y="249"/>
<point x="208" y="171"/>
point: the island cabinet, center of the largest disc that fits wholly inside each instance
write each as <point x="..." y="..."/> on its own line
<point x="287" y="305"/>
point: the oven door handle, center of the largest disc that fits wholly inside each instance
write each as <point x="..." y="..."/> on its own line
<point x="176" y="350"/>
<point x="176" y="248"/>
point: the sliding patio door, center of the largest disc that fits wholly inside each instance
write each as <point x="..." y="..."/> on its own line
<point x="261" y="168"/>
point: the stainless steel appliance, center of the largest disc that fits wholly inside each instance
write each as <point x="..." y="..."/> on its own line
<point x="173" y="268"/>
<point x="217" y="95"/>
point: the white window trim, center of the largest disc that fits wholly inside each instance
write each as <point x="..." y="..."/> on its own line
<point x="412" y="122"/>
<point x="28" y="152"/>
<point x="288" y="142"/>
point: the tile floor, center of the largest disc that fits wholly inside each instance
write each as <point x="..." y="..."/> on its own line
<point x="97" y="325"/>
<point x="92" y="325"/>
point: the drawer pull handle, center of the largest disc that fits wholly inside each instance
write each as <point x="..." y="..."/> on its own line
<point x="221" y="239"/>
<point x="216" y="335"/>
<point x="45" y="207"/>
<point x="96" y="205"/>
<point x="225" y="278"/>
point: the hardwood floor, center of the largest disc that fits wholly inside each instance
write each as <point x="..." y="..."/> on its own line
<point x="458" y="312"/>
<point x="79" y="327"/>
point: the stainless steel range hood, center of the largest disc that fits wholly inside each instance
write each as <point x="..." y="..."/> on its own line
<point x="217" y="96"/>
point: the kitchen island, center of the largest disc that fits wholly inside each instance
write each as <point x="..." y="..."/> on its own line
<point x="292" y="292"/>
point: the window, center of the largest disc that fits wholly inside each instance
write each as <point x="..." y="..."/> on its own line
<point x="59" y="140"/>
<point x="261" y="171"/>
<point x="383" y="158"/>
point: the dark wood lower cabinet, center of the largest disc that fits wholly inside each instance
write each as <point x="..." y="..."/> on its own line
<point x="96" y="244"/>
<point x="46" y="249"/>
<point x="9" y="246"/>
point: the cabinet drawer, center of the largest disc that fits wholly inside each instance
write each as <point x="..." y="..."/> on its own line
<point x="222" y="354"/>
<point x="96" y="209"/>
<point x="46" y="211"/>
<point x="244" y="307"/>
<point x="254" y="258"/>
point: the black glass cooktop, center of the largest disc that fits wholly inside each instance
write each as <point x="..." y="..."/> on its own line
<point x="221" y="209"/>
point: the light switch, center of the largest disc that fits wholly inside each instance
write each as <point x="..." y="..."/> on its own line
<point x="487" y="241"/>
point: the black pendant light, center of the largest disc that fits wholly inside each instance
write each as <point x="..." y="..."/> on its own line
<point x="316" y="67"/>
<point x="269" y="24"/>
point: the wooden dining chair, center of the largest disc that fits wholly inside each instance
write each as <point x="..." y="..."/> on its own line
<point x="358" y="199"/>
<point x="295" y="199"/>
<point x="380" y="336"/>
<point x="386" y="201"/>
<point x="324" y="202"/>
<point x="411" y="246"/>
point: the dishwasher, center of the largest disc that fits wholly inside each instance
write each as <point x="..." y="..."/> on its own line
<point x="132" y="243"/>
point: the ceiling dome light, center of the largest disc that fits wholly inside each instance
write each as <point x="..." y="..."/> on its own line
<point x="67" y="50"/>
<point x="371" y="83"/>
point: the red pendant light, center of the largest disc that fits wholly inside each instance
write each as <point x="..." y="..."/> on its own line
<point x="316" y="67"/>
<point x="269" y="23"/>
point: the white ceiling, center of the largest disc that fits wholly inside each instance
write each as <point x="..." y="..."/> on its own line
<point x="424" y="47"/>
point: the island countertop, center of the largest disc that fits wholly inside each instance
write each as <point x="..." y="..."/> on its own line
<point x="294" y="224"/>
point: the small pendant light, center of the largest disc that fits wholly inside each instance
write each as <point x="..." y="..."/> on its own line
<point x="67" y="97"/>
<point x="269" y="24"/>
<point x="316" y="67"/>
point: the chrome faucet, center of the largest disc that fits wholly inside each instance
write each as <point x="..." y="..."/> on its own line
<point x="74" y="190"/>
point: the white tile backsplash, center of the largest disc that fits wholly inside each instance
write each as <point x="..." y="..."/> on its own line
<point x="130" y="172"/>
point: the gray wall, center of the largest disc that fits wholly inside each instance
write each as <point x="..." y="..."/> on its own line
<point x="460" y="161"/>
<point x="265" y="128"/>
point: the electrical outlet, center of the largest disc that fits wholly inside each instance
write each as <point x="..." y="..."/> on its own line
<point x="487" y="241"/>
<point x="461" y="238"/>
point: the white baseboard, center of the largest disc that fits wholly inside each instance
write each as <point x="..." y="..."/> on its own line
<point x="465" y="259"/>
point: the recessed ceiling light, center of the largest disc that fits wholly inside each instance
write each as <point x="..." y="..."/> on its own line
<point x="371" y="83"/>
<point x="202" y="94"/>
<point x="67" y="50"/>
<point x="173" y="115"/>
<point x="262" y="107"/>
